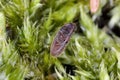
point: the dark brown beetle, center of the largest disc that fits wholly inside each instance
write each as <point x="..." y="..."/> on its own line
<point x="62" y="38"/>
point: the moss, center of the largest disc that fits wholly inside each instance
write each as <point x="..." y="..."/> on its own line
<point x="92" y="52"/>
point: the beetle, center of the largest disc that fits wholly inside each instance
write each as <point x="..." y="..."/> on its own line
<point x="61" y="39"/>
<point x="94" y="5"/>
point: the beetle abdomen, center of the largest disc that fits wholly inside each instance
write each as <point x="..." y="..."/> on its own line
<point x="61" y="39"/>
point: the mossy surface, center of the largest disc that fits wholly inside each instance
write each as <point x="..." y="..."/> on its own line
<point x="28" y="28"/>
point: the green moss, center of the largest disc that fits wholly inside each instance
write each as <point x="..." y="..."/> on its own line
<point x="91" y="54"/>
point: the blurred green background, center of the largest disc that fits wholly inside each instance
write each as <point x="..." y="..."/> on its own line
<point x="28" y="27"/>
